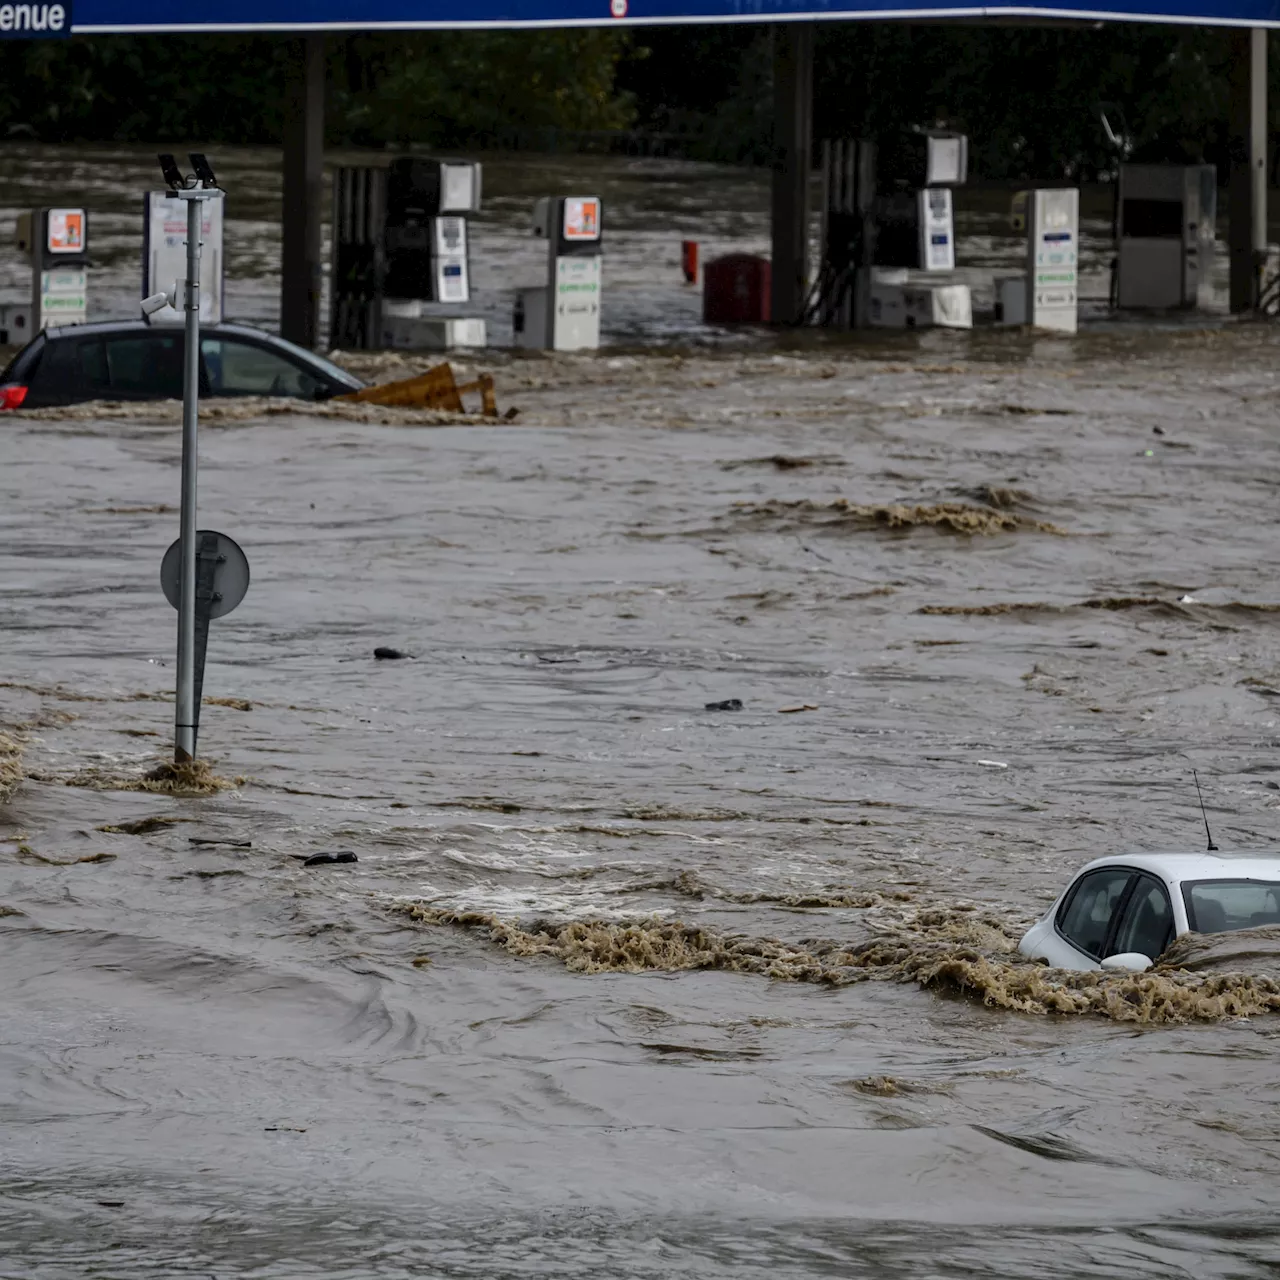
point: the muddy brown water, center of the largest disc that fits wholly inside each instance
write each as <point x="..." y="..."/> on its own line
<point x="620" y="985"/>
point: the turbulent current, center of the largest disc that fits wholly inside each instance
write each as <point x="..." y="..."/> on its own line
<point x="621" y="985"/>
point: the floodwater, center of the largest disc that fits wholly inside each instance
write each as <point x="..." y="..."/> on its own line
<point x="620" y="985"/>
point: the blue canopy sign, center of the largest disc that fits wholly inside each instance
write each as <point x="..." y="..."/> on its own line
<point x="37" y="19"/>
<point x="31" y="21"/>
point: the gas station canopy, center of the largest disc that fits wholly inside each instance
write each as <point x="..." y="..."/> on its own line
<point x="85" y="17"/>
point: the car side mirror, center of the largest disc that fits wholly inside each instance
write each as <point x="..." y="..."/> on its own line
<point x="1128" y="961"/>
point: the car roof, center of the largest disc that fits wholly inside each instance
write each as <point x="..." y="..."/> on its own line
<point x="57" y="332"/>
<point x="1178" y="867"/>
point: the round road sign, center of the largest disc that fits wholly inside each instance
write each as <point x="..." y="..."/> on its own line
<point x="230" y="574"/>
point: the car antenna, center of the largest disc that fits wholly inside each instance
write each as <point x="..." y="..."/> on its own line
<point x="1213" y="848"/>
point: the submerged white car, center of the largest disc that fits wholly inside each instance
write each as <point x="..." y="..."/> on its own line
<point x="1122" y="912"/>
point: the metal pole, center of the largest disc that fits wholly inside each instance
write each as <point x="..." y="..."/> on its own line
<point x="793" y="143"/>
<point x="184" y="741"/>
<point x="1258" y="151"/>
<point x="1247" y="193"/>
<point x="301" y="268"/>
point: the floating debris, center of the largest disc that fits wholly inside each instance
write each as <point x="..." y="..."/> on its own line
<point x="192" y="778"/>
<point x="950" y="517"/>
<point x="10" y="765"/>
<point x="160" y="509"/>
<point x="435" y="389"/>
<point x="142" y="826"/>
<point x="327" y="859"/>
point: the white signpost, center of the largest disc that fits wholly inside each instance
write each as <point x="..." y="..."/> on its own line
<point x="164" y="254"/>
<point x="204" y="574"/>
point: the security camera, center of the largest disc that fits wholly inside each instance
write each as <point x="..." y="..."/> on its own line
<point x="156" y="302"/>
<point x="173" y="178"/>
<point x="204" y="171"/>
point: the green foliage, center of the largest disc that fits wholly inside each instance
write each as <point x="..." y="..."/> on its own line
<point x="446" y="88"/>
<point x="1028" y="97"/>
<point x="136" y="88"/>
<point x="709" y="87"/>
<point x="474" y="88"/>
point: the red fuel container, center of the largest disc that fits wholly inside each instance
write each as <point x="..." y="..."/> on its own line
<point x="689" y="260"/>
<point x="736" y="289"/>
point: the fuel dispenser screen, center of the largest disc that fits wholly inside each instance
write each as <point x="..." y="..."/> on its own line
<point x="458" y="188"/>
<point x="581" y="218"/>
<point x="66" y="231"/>
<point x="1152" y="219"/>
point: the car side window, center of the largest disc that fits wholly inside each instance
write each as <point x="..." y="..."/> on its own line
<point x="237" y="368"/>
<point x="145" y="364"/>
<point x="61" y="377"/>
<point x="53" y="370"/>
<point x="1147" y="924"/>
<point x="1085" y="917"/>
<point x="1215" y="906"/>
<point x="92" y="365"/>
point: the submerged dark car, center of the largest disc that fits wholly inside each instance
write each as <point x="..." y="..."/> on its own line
<point x="130" y="360"/>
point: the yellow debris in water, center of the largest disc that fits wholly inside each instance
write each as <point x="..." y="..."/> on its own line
<point x="10" y="766"/>
<point x="435" y="389"/>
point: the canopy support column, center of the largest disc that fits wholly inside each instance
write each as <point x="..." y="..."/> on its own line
<point x="301" y="270"/>
<point x="793" y="147"/>
<point x="1247" y="193"/>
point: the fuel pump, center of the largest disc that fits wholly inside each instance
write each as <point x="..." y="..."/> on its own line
<point x="877" y="228"/>
<point x="401" y="243"/>
<point x="428" y="203"/>
<point x="1047" y="296"/>
<point x="1053" y="259"/>
<point x="1165" y="230"/>
<point x="56" y="242"/>
<point x="914" y="215"/>
<point x="564" y="314"/>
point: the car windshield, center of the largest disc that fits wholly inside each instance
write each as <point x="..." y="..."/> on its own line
<point x="1216" y="906"/>
<point x="336" y="372"/>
